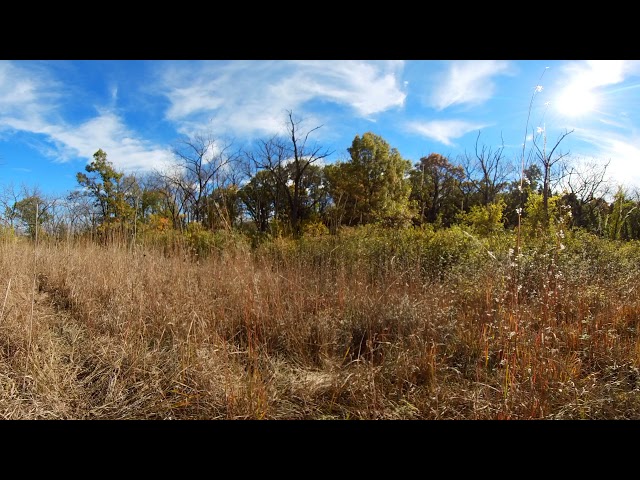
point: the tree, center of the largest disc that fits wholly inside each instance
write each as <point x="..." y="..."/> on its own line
<point x="624" y="220"/>
<point x="32" y="212"/>
<point x="487" y="171"/>
<point x="547" y="162"/>
<point x="107" y="188"/>
<point x="287" y="159"/>
<point x="585" y="190"/>
<point x="201" y="163"/>
<point x="517" y="195"/>
<point x="258" y="197"/>
<point x="9" y="197"/>
<point x="436" y="183"/>
<point x="372" y="186"/>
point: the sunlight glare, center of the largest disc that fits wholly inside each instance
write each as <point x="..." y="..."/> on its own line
<point x="576" y="101"/>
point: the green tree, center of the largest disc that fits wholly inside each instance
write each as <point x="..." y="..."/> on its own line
<point x="372" y="186"/>
<point x="107" y="188"/>
<point x="485" y="219"/>
<point x="436" y="189"/>
<point x="258" y="196"/>
<point x="32" y="212"/>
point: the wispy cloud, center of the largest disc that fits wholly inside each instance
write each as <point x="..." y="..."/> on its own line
<point x="595" y="73"/>
<point x="30" y="102"/>
<point x="27" y="95"/>
<point x="108" y="132"/>
<point x="251" y="97"/>
<point x="443" y="131"/>
<point x="622" y="151"/>
<point x="467" y="82"/>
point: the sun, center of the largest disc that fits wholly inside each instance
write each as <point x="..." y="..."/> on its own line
<point x="575" y="101"/>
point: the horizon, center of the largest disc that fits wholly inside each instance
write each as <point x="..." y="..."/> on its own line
<point x="55" y="114"/>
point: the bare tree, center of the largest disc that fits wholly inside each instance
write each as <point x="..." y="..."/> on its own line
<point x="82" y="213"/>
<point x="9" y="197"/>
<point x="487" y="171"/>
<point x="287" y="158"/>
<point x="201" y="165"/>
<point x="586" y="188"/>
<point x="548" y="161"/>
<point x="586" y="180"/>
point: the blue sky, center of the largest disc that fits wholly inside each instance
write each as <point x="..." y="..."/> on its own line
<point x="54" y="114"/>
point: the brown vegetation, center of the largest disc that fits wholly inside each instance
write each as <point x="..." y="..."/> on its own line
<point x="368" y="324"/>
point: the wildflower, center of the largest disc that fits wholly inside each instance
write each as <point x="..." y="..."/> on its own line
<point x="518" y="210"/>
<point x="540" y="130"/>
<point x="546" y="104"/>
<point x="538" y="88"/>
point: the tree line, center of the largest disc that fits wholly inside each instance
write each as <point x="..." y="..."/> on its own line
<point x="282" y="185"/>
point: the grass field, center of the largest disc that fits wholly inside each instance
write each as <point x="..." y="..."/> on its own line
<point x="368" y="324"/>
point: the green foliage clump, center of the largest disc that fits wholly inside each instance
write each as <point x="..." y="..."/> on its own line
<point x="315" y="229"/>
<point x="485" y="220"/>
<point x="448" y="248"/>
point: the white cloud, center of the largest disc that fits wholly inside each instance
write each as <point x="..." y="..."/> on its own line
<point x="252" y="97"/>
<point x="108" y="132"/>
<point x="467" y="82"/>
<point x="613" y="135"/>
<point x="590" y="74"/>
<point x="26" y="95"/>
<point x="444" y="131"/>
<point x="622" y="151"/>
<point x="29" y="102"/>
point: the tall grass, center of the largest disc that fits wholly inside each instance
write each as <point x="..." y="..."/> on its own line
<point x="368" y="324"/>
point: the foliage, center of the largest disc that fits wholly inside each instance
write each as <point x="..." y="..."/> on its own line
<point x="485" y="220"/>
<point x="106" y="187"/>
<point x="371" y="186"/>
<point x="32" y="212"/>
<point x="436" y="189"/>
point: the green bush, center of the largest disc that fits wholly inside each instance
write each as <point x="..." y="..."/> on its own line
<point x="485" y="220"/>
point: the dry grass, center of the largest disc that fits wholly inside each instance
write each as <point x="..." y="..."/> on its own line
<point x="121" y="334"/>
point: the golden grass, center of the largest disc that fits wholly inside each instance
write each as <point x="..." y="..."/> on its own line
<point x="122" y="334"/>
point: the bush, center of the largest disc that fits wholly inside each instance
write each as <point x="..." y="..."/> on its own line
<point x="485" y="220"/>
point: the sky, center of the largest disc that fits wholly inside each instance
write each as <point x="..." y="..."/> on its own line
<point x="55" y="114"/>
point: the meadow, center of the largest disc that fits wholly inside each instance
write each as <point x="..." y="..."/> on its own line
<point x="369" y="323"/>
